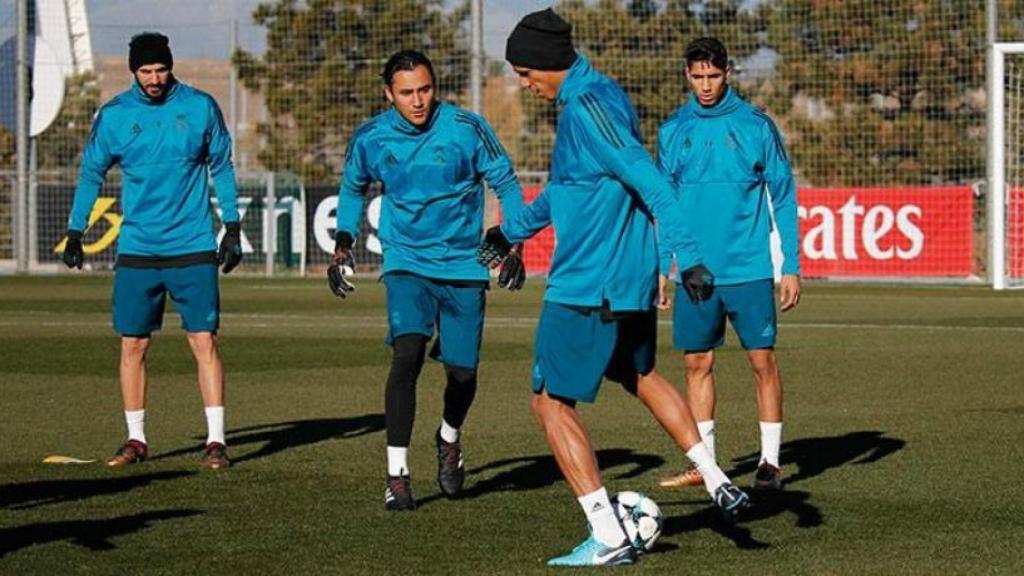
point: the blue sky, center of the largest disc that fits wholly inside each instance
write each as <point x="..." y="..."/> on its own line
<point x="199" y="28"/>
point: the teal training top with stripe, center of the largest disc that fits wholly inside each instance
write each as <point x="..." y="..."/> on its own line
<point x="603" y="190"/>
<point x="723" y="159"/>
<point x="164" y="148"/>
<point x="432" y="211"/>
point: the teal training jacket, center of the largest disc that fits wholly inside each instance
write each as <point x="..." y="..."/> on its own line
<point x="604" y="190"/>
<point x="164" y="148"/>
<point x="723" y="158"/>
<point x="432" y="210"/>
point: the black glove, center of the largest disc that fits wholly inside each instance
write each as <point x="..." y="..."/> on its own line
<point x="494" y="248"/>
<point x="230" y="253"/>
<point x="336" y="272"/>
<point x="698" y="282"/>
<point x="513" y="272"/>
<point x="74" y="255"/>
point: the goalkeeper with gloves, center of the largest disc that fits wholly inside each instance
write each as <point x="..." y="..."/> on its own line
<point x="431" y="159"/>
<point x="166" y="136"/>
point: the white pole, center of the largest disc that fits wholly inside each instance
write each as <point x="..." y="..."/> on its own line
<point x="305" y="235"/>
<point x="476" y="62"/>
<point x="22" y="144"/>
<point x="32" y="211"/>
<point x="233" y="92"/>
<point x="997" y="171"/>
<point x="270" y="225"/>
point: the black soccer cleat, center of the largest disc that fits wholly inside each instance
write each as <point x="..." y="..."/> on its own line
<point x="450" y="472"/>
<point x="398" y="494"/>
<point x="768" y="478"/>
<point x="731" y="501"/>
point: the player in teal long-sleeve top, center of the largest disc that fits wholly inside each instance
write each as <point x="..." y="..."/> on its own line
<point x="168" y="139"/>
<point x="599" y="318"/>
<point x="729" y="163"/>
<point x="432" y="160"/>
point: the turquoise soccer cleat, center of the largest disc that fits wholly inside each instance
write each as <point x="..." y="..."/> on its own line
<point x="593" y="553"/>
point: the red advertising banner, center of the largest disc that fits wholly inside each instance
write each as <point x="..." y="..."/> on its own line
<point x="863" y="232"/>
<point x="893" y="232"/>
<point x="537" y="251"/>
<point x="1015" y="234"/>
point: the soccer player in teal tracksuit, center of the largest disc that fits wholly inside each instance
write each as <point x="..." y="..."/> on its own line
<point x="598" y="318"/>
<point x="724" y="153"/>
<point x="166" y="136"/>
<point x="432" y="159"/>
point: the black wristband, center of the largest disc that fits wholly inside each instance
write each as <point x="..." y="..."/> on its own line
<point x="344" y="240"/>
<point x="233" y="228"/>
<point x="74" y="234"/>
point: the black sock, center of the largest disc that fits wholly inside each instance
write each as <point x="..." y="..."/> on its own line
<point x="400" y="394"/>
<point x="458" y="394"/>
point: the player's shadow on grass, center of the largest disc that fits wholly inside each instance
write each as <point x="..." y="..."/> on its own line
<point x="794" y="502"/>
<point x="541" y="471"/>
<point x="813" y="456"/>
<point x="96" y="535"/>
<point x="46" y="492"/>
<point x="274" y="438"/>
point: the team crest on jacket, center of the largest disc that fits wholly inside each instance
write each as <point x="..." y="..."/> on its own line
<point x="439" y="155"/>
<point x="136" y="129"/>
<point x="390" y="159"/>
<point x="181" y="122"/>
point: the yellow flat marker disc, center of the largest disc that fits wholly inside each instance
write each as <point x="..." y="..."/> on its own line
<point x="65" y="460"/>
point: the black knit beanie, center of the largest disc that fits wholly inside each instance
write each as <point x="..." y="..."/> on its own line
<point x="541" y="41"/>
<point x="149" y="48"/>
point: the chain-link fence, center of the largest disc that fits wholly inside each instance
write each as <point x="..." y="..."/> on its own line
<point x="882" y="105"/>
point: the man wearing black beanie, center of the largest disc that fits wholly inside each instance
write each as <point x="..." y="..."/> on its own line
<point x="599" y="317"/>
<point x="169" y="139"/>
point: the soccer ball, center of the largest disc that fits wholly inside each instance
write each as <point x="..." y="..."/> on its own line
<point x="641" y="518"/>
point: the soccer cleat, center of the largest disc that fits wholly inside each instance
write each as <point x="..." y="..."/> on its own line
<point x="731" y="501"/>
<point x="398" y="494"/>
<point x="215" y="456"/>
<point x="768" y="478"/>
<point x="688" y="477"/>
<point x="450" y="472"/>
<point x="593" y="553"/>
<point x="131" y="452"/>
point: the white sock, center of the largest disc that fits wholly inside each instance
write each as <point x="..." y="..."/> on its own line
<point x="136" y="420"/>
<point x="707" y="435"/>
<point x="771" y="439"/>
<point x="602" y="518"/>
<point x="448" y="433"/>
<point x="713" y="475"/>
<point x="397" y="464"/>
<point x="215" y="424"/>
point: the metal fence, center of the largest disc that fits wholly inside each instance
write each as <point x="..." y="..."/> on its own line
<point x="882" y="105"/>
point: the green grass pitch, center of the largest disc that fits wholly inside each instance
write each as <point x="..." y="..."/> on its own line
<point x="903" y="446"/>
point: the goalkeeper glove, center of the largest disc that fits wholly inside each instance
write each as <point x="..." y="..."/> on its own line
<point x="698" y="282"/>
<point x="230" y="253"/>
<point x="494" y="248"/>
<point x="513" y="272"/>
<point x="343" y="266"/>
<point x="74" y="254"/>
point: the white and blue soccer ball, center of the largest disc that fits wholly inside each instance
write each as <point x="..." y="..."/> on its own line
<point x="641" y="519"/>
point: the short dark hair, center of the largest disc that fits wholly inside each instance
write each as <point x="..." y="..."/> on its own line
<point x="707" y="49"/>
<point x="406" y="60"/>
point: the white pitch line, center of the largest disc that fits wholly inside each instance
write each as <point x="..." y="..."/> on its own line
<point x="271" y="321"/>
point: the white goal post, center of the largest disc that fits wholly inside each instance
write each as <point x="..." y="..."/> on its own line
<point x="1006" y="162"/>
